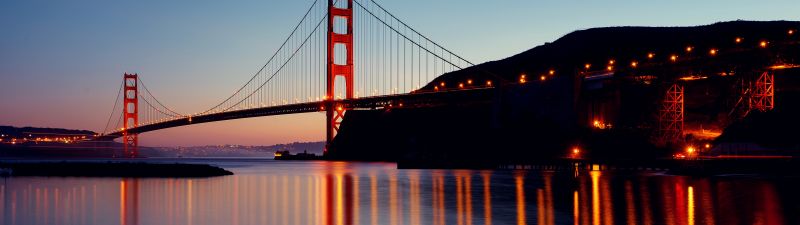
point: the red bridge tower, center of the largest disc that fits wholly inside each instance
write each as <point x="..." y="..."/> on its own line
<point x="130" y="115"/>
<point x="335" y="111"/>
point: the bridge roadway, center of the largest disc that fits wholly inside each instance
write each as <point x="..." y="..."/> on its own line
<point x="409" y="100"/>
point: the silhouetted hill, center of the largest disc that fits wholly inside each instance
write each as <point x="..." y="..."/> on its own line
<point x="543" y="120"/>
<point x="21" y="131"/>
<point x="598" y="45"/>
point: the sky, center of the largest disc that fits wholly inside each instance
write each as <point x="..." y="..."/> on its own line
<point x="61" y="61"/>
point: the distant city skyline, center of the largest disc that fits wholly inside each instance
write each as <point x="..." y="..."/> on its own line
<point x="61" y="61"/>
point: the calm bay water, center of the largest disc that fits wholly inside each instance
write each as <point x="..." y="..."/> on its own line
<point x="293" y="193"/>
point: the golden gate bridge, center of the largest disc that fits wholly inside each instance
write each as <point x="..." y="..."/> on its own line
<point x="354" y="54"/>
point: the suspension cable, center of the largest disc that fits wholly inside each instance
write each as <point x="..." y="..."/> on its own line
<point x="108" y="122"/>
<point x="268" y="61"/>
<point x="156" y="99"/>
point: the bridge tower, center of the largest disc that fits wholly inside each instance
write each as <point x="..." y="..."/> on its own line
<point x="670" y="116"/>
<point x="130" y="115"/>
<point x="763" y="97"/>
<point x="335" y="111"/>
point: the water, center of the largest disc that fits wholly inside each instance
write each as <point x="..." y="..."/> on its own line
<point x="290" y="193"/>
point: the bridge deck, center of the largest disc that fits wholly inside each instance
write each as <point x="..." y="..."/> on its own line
<point x="414" y="100"/>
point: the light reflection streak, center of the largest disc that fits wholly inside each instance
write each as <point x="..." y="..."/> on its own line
<point x="393" y="199"/>
<point x="575" y="208"/>
<point x="339" y="200"/>
<point x="459" y="201"/>
<point x="690" y="207"/>
<point x="607" y="202"/>
<point x="296" y="191"/>
<point x="435" y="196"/>
<point x="519" y="181"/>
<point x="629" y="203"/>
<point x="373" y="196"/>
<point x="356" y="201"/>
<point x="189" y="203"/>
<point x="468" y="195"/>
<point x="540" y="208"/>
<point x="487" y="197"/>
<point x="413" y="186"/>
<point x="548" y="198"/>
<point x="595" y="175"/>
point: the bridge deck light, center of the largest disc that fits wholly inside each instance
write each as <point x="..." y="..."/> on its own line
<point x="611" y="62"/>
<point x="576" y="150"/>
<point x="634" y="64"/>
<point x="488" y="83"/>
<point x="673" y="58"/>
<point x="543" y="78"/>
<point x="587" y="66"/>
<point x="790" y="32"/>
<point x="469" y="81"/>
<point x="339" y="109"/>
<point x="690" y="150"/>
<point x="460" y="85"/>
<point x="738" y="40"/>
<point x="552" y="72"/>
<point x="610" y="68"/>
<point x="689" y="49"/>
<point x="712" y="51"/>
<point x="763" y="44"/>
<point x="651" y="55"/>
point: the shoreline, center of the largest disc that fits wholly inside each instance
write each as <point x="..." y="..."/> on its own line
<point x="110" y="169"/>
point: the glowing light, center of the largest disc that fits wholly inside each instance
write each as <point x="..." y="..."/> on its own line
<point x="339" y="108"/>
<point x="542" y="78"/>
<point x="791" y="32"/>
<point x="763" y="44"/>
<point x="400" y="105"/>
<point x="611" y="62"/>
<point x="690" y="150"/>
<point x="469" y="81"/>
<point x="673" y="58"/>
<point x="712" y="51"/>
<point x="610" y="68"/>
<point x="689" y="49"/>
<point x="460" y="85"/>
<point x="552" y="72"/>
<point x="576" y="150"/>
<point x="634" y="64"/>
<point x="708" y="146"/>
<point x="587" y="66"/>
<point x="522" y="79"/>
<point x="488" y="83"/>
<point x="738" y="40"/>
<point x="441" y="84"/>
<point x="651" y="55"/>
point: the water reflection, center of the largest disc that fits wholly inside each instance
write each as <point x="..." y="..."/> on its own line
<point x="364" y="193"/>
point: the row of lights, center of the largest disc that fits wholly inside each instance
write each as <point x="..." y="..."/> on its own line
<point x="461" y="85"/>
<point x="673" y="57"/>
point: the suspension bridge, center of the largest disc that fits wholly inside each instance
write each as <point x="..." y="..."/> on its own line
<point x="314" y="70"/>
<point x="348" y="55"/>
